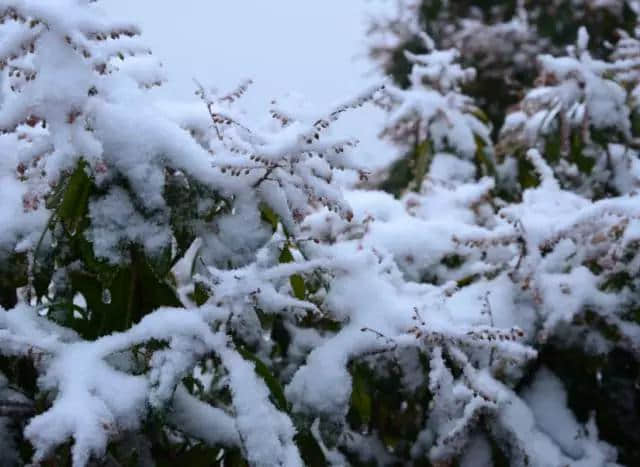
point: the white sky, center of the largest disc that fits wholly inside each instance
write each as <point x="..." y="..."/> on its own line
<point x="316" y="48"/>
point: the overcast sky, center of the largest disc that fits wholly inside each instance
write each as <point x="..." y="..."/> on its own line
<point x="316" y="48"/>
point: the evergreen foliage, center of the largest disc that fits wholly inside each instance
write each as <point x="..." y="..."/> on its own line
<point x="187" y="284"/>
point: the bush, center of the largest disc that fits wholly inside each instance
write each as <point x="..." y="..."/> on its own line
<point x="188" y="284"/>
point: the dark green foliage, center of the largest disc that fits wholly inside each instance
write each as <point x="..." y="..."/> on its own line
<point x="379" y="405"/>
<point x="277" y="393"/>
<point x="129" y="300"/>
<point x="605" y="385"/>
<point x="400" y="175"/>
<point x="296" y="280"/>
<point x="310" y="451"/>
<point x="117" y="295"/>
<point x="500" y="84"/>
<point x="13" y="274"/>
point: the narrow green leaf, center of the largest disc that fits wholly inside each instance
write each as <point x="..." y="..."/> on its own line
<point x="269" y="216"/>
<point x="360" y="397"/>
<point x="297" y="281"/>
<point x="297" y="284"/>
<point x="272" y="383"/>
<point x="423" y="159"/>
<point x="200" y="294"/>
<point x="75" y="201"/>
<point x="286" y="256"/>
<point x="310" y="450"/>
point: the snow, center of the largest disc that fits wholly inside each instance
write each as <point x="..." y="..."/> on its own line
<point x="446" y="272"/>
<point x="116" y="223"/>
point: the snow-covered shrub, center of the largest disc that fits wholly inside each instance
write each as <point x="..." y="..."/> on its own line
<point x="432" y="118"/>
<point x="578" y="262"/>
<point x="580" y="116"/>
<point x="189" y="284"/>
<point x="500" y="39"/>
<point x="552" y="244"/>
<point x="108" y="200"/>
<point x="168" y="302"/>
<point x="530" y="267"/>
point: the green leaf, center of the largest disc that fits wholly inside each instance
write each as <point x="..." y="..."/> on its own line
<point x="361" y="402"/>
<point x="285" y="255"/>
<point x="480" y="115"/>
<point x="262" y="370"/>
<point x="483" y="158"/>
<point x="162" y="262"/>
<point x="527" y="176"/>
<point x="297" y="281"/>
<point x="192" y="384"/>
<point x="13" y="274"/>
<point x="280" y="335"/>
<point x="467" y="280"/>
<point x="553" y="148"/>
<point x="199" y="455"/>
<point x="453" y="261"/>
<point x="399" y="177"/>
<point x="635" y="122"/>
<point x="616" y="282"/>
<point x="309" y="448"/>
<point x="134" y="290"/>
<point x="297" y="284"/>
<point x="269" y="216"/>
<point x="75" y="201"/>
<point x="200" y="294"/>
<point x="585" y="163"/>
<point x="423" y="159"/>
